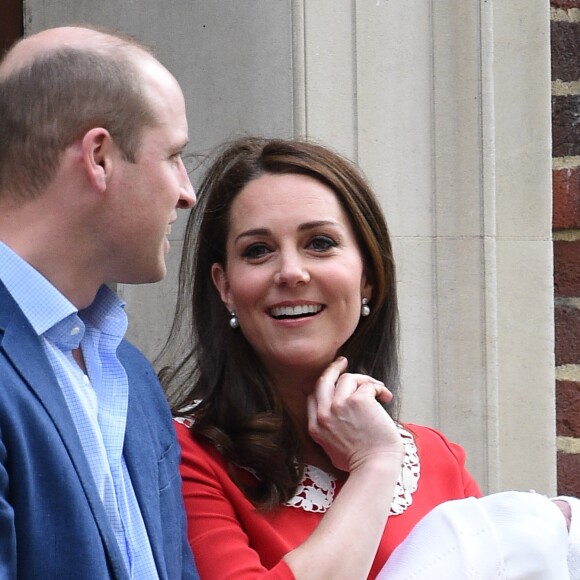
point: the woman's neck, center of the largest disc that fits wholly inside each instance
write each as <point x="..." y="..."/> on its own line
<point x="313" y="454"/>
<point x="294" y="387"/>
<point x="294" y="391"/>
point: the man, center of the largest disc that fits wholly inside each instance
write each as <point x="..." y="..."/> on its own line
<point x="91" y="133"/>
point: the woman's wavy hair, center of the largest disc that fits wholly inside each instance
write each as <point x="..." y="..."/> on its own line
<point x="218" y="376"/>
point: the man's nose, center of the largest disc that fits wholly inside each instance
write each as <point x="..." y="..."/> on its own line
<point x="187" y="197"/>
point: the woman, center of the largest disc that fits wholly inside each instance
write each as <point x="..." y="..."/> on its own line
<point x="293" y="462"/>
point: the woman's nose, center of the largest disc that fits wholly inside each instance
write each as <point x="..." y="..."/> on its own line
<point x="291" y="272"/>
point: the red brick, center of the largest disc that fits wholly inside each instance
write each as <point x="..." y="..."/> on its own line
<point x="565" y="42"/>
<point x="566" y="186"/>
<point x="568" y="408"/>
<point x="567" y="268"/>
<point x="567" y="335"/>
<point x="565" y="3"/>
<point x="569" y="474"/>
<point x="566" y="125"/>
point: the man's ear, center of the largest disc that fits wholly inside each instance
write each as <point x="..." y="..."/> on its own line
<point x="97" y="148"/>
<point x="220" y="280"/>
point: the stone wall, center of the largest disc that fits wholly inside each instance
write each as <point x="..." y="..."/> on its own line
<point x="445" y="104"/>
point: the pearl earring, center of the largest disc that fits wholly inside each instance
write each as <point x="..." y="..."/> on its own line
<point x="365" y="309"/>
<point x="234" y="323"/>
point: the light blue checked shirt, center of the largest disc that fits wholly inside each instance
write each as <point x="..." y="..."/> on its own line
<point x="97" y="401"/>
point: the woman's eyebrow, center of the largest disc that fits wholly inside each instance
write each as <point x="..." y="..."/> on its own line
<point x="253" y="232"/>
<point x="317" y="224"/>
<point x="302" y="227"/>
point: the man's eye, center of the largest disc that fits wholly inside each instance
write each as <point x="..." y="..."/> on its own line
<point x="322" y="243"/>
<point x="191" y="162"/>
<point x="255" y="251"/>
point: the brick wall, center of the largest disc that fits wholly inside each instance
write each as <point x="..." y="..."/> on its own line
<point x="565" y="38"/>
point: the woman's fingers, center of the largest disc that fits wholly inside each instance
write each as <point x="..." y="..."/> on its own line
<point x="349" y="383"/>
<point x="326" y="385"/>
<point x="325" y="390"/>
<point x="375" y="390"/>
<point x="346" y="419"/>
<point x="335" y="386"/>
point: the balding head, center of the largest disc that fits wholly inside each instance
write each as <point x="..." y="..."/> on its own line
<point x="25" y="51"/>
<point x="58" y="84"/>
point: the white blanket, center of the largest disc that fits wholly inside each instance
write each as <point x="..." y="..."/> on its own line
<point x="505" y="536"/>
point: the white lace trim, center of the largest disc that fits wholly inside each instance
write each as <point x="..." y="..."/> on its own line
<point x="317" y="488"/>
<point x="315" y="493"/>
<point x="184" y="420"/>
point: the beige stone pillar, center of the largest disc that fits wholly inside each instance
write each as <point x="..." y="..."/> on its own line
<point x="446" y="106"/>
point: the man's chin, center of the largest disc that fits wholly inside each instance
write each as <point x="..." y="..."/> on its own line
<point x="158" y="276"/>
<point x="150" y="277"/>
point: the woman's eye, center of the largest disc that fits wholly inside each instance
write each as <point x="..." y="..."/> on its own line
<point x="322" y="243"/>
<point x="255" y="251"/>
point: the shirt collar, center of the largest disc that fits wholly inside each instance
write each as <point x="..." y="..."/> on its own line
<point x="45" y="306"/>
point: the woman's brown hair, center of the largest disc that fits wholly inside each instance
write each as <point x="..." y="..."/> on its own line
<point x="235" y="405"/>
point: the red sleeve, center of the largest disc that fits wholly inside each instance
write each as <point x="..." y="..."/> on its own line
<point x="212" y="502"/>
<point x="432" y="445"/>
<point x="470" y="486"/>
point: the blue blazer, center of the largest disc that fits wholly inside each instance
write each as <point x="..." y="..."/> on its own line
<point x="52" y="522"/>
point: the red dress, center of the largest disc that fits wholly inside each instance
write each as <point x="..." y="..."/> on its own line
<point x="230" y="539"/>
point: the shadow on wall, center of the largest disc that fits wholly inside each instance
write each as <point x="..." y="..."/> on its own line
<point x="11" y="23"/>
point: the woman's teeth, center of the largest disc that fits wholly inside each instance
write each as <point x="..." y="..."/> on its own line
<point x="295" y="310"/>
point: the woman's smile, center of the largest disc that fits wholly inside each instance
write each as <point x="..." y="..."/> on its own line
<point x="293" y="312"/>
<point x="307" y="275"/>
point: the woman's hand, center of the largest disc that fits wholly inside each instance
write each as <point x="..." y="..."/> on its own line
<point x="346" y="419"/>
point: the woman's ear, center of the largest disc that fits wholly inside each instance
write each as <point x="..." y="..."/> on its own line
<point x="366" y="288"/>
<point x="97" y="148"/>
<point x="220" y="280"/>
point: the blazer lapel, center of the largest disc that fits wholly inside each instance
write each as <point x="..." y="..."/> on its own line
<point x="141" y="459"/>
<point x="24" y="349"/>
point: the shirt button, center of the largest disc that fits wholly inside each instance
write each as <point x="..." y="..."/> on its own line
<point x="74" y="331"/>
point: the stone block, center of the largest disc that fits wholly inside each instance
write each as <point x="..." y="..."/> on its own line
<point x="567" y="268"/>
<point x="565" y="41"/>
<point x="565" y="125"/>
<point x="566" y="188"/>
<point x="569" y="474"/>
<point x="565" y="4"/>
<point x="567" y="335"/>
<point x="568" y="408"/>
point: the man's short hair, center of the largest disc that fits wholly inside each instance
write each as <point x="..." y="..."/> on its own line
<point x="49" y="102"/>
